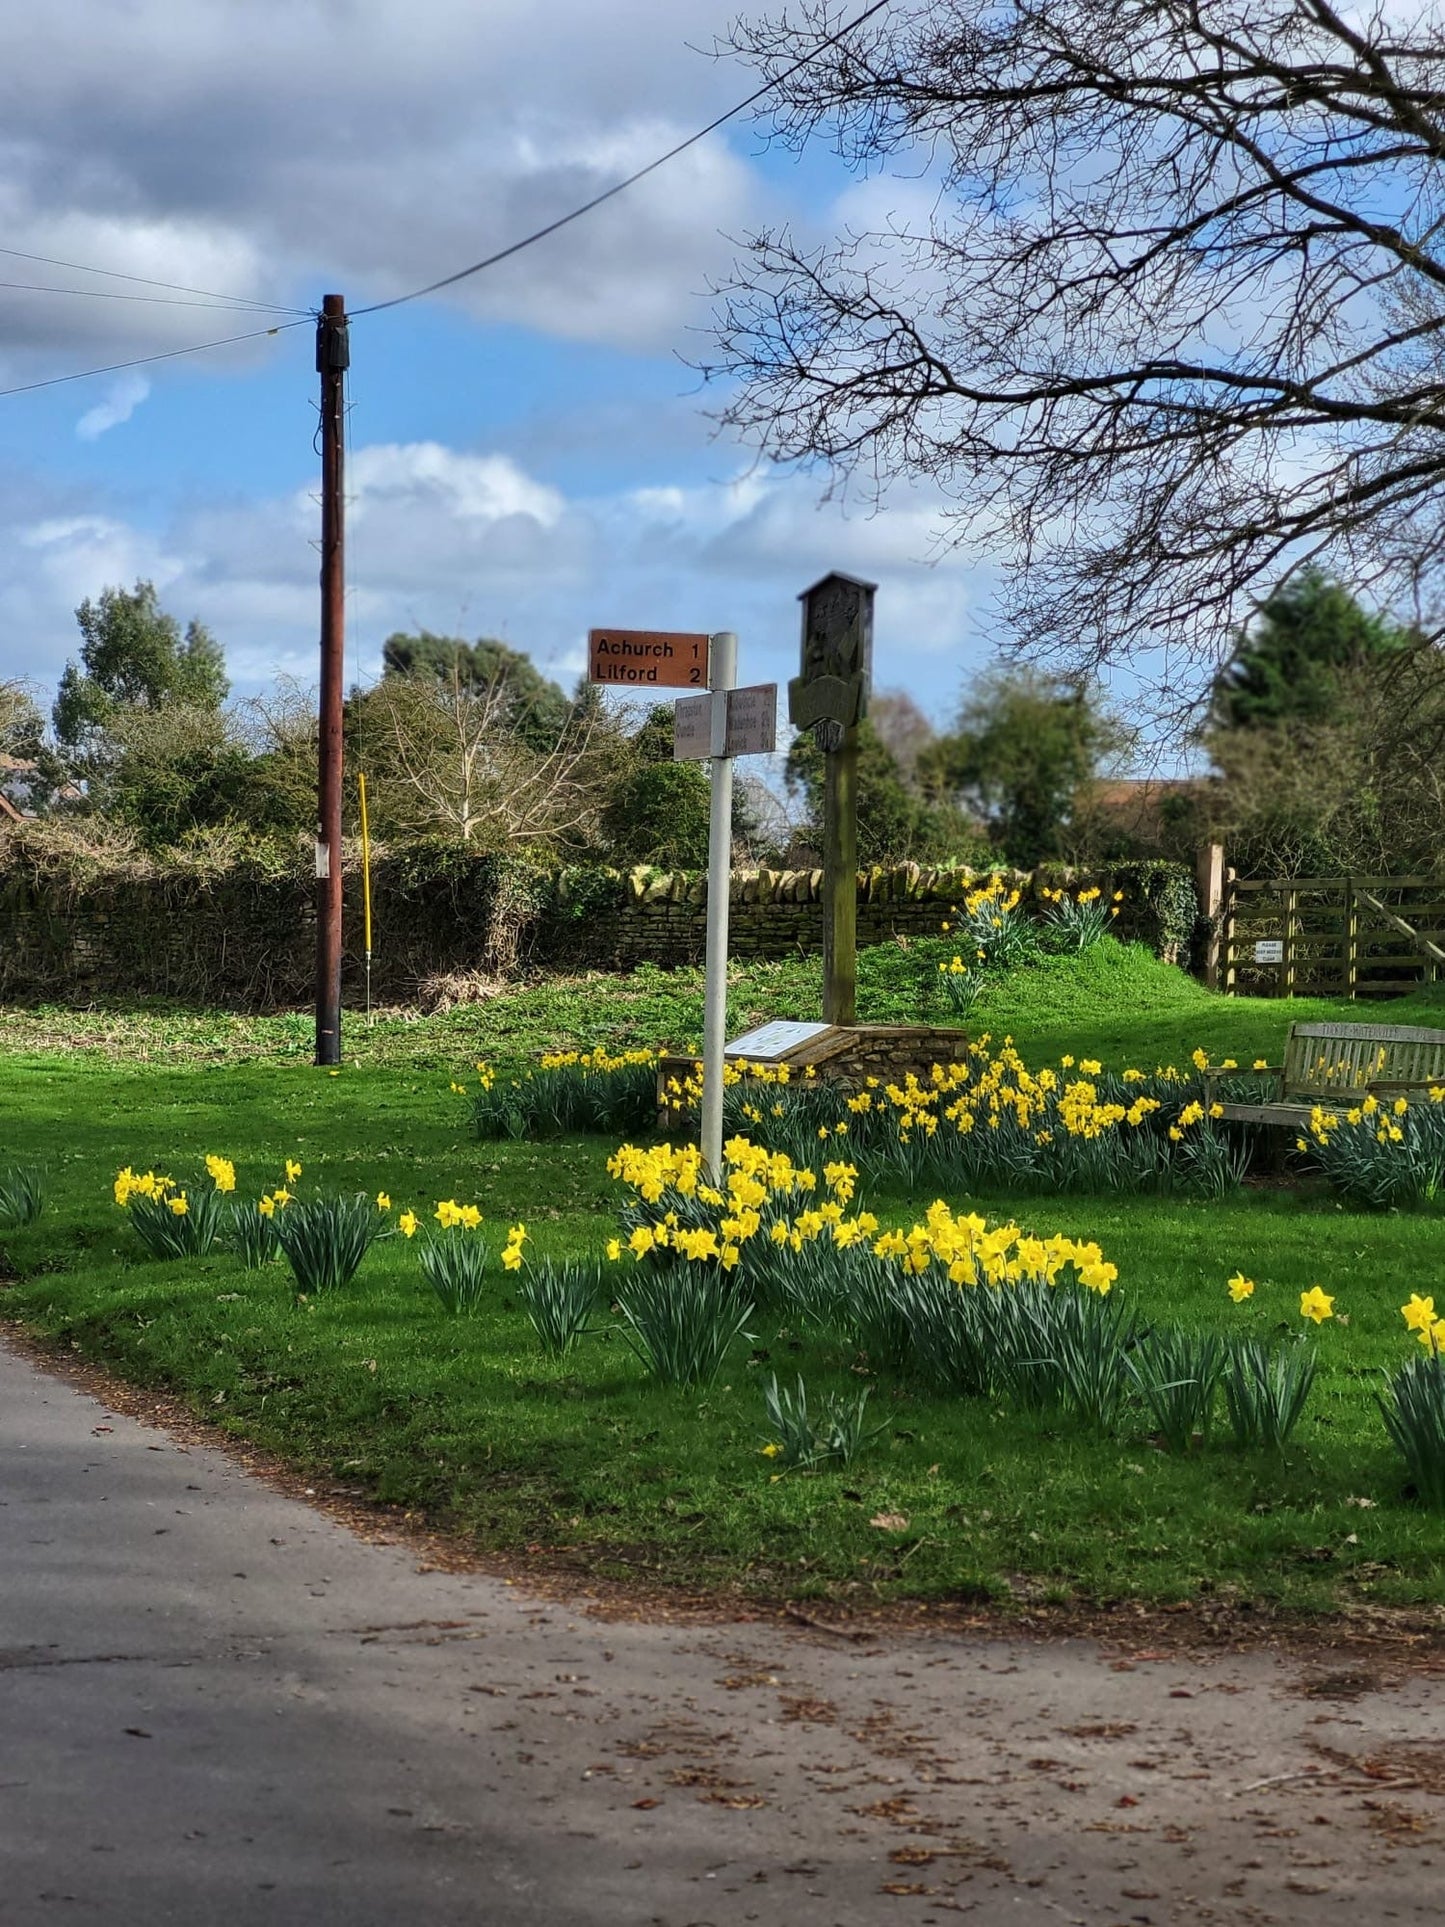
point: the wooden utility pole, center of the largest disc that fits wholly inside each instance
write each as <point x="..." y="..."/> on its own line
<point x="333" y="356"/>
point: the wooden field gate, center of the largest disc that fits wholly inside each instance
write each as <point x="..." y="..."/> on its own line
<point x="1331" y="936"/>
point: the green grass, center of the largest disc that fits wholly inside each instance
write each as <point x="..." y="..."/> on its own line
<point x="467" y="1421"/>
<point x="1116" y="1002"/>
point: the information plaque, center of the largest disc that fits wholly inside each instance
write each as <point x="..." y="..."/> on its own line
<point x="770" y="1042"/>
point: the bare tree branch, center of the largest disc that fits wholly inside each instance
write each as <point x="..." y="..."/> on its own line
<point x="1176" y="324"/>
<point x="446" y="758"/>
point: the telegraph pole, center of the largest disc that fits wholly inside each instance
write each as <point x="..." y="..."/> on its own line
<point x="333" y="356"/>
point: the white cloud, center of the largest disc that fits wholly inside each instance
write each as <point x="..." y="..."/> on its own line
<point x="126" y="395"/>
<point x="193" y="145"/>
<point x="468" y="541"/>
<point x="476" y="489"/>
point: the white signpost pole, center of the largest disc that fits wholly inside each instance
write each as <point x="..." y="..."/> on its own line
<point x="723" y="662"/>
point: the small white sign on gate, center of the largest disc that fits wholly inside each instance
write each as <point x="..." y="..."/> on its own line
<point x="1269" y="950"/>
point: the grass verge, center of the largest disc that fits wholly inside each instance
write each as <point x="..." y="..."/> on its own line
<point x="466" y="1421"/>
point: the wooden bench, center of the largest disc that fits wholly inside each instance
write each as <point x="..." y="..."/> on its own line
<point x="1339" y="1064"/>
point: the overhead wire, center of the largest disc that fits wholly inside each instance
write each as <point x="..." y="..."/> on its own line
<point x="145" y="281"/>
<point x="159" y="300"/>
<point x="143" y="361"/>
<point x="432" y="287"/>
<point x="619" y="187"/>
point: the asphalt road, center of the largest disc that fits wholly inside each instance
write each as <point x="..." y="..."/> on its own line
<point x="218" y="1705"/>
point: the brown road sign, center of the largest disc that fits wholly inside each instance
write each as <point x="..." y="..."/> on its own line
<point x="647" y="658"/>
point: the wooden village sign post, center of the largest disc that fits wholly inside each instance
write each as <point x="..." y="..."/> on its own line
<point x="830" y="697"/>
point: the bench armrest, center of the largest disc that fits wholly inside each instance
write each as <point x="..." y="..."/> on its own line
<point x="1212" y="1073"/>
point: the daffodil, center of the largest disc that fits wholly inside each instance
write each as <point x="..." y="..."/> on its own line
<point x="1240" y="1287"/>
<point x="1316" y="1305"/>
<point x="383" y="1202"/>
<point x="406" y="1224"/>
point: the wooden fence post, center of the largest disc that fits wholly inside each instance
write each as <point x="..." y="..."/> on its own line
<point x="1229" y="959"/>
<point x="1209" y="881"/>
<point x="1352" y="939"/>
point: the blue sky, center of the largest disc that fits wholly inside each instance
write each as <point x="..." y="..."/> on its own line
<point x="530" y="454"/>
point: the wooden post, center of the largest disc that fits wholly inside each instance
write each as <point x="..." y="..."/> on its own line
<point x="1209" y="881"/>
<point x="1352" y="939"/>
<point x="1229" y="934"/>
<point x="840" y="881"/>
<point x="829" y="696"/>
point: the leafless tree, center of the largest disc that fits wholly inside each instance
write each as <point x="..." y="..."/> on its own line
<point x="902" y="728"/>
<point x="1358" y="789"/>
<point x="21" y="723"/>
<point x="445" y="758"/>
<point x="1175" y="323"/>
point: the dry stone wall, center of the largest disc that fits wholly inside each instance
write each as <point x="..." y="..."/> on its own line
<point x="779" y="913"/>
<point x="246" y="937"/>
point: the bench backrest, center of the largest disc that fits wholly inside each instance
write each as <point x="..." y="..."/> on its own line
<point x="1326" y="1060"/>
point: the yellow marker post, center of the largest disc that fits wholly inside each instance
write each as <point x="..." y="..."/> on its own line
<point x="366" y="888"/>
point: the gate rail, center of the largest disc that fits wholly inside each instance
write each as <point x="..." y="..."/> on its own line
<point x="1339" y="936"/>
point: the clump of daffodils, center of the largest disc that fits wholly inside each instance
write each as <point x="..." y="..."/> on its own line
<point x="974" y="1253"/>
<point x="171" y="1220"/>
<point x="571" y="1090"/>
<point x="1385" y="1152"/>
<point x="761" y="1195"/>
<point x="764" y="1201"/>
